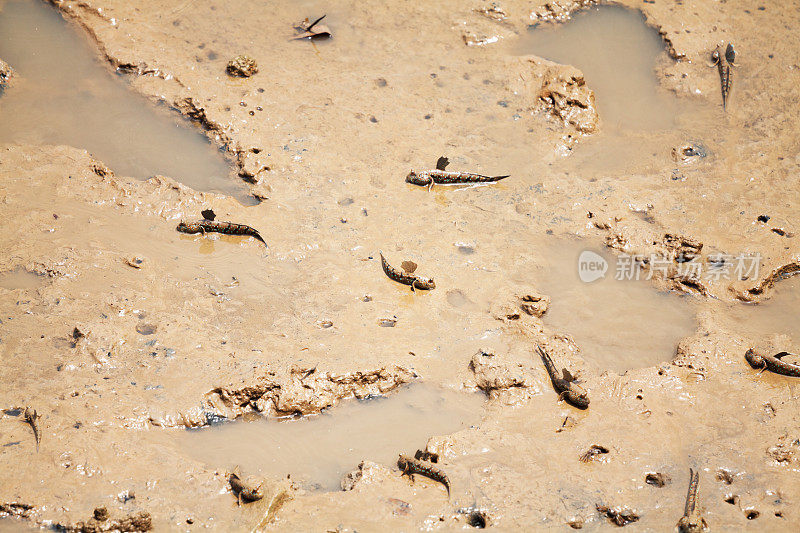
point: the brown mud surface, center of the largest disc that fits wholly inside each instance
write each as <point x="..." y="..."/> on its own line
<point x="124" y="328"/>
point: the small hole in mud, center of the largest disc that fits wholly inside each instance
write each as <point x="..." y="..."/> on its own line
<point x="752" y="514"/>
<point x="477" y="519"/>
<point x="779" y="514"/>
<point x="731" y="499"/>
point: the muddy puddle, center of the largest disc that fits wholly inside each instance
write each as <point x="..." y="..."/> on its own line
<point x="20" y="279"/>
<point x="619" y="324"/>
<point x="617" y="54"/>
<point x="11" y="525"/>
<point x="776" y="315"/>
<point x="620" y="57"/>
<point x="63" y="94"/>
<point x="318" y="450"/>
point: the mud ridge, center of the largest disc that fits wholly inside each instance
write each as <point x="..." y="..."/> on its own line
<point x="301" y="392"/>
<point x="559" y="10"/>
<point x="673" y="249"/>
<point x="768" y="282"/>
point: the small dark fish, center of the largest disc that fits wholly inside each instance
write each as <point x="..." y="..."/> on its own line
<point x="30" y="418"/>
<point x="565" y="384"/>
<point x="407" y="277"/>
<point x="244" y="491"/>
<point x="411" y="466"/>
<point x="427" y="178"/>
<point x="228" y="228"/>
<point x="725" y="64"/>
<point x="691" y="521"/>
<point x="772" y="363"/>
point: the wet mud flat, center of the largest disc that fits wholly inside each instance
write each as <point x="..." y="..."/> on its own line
<point x="128" y="337"/>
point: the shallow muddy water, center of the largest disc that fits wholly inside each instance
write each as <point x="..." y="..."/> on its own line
<point x="617" y="54"/>
<point x="777" y="314"/>
<point x="619" y="324"/>
<point x="20" y="279"/>
<point x="319" y="450"/>
<point x="63" y="95"/>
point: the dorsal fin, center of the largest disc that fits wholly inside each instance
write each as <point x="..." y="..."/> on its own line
<point x="442" y="163"/>
<point x="730" y="54"/>
<point x="208" y="214"/>
<point x="308" y="28"/>
<point x="567" y="375"/>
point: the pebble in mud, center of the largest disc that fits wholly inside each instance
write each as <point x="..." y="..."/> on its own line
<point x="242" y="66"/>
